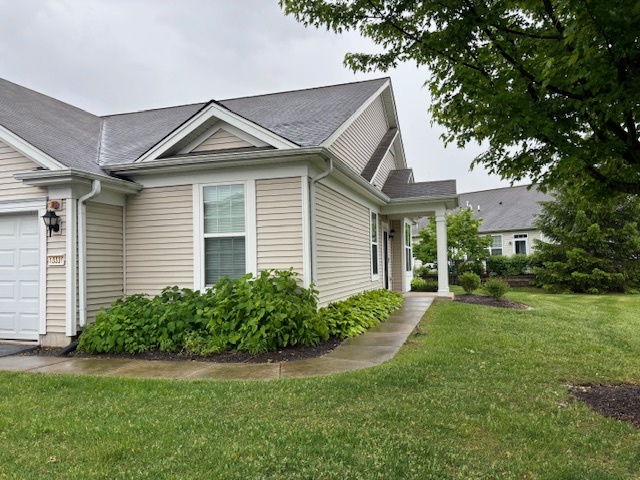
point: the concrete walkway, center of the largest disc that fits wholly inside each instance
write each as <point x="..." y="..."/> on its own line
<point x="376" y="346"/>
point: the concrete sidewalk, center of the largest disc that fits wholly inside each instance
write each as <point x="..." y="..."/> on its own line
<point x="376" y="346"/>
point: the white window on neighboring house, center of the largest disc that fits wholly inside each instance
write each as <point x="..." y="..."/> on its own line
<point x="224" y="231"/>
<point x="520" y="244"/>
<point x="496" y="245"/>
<point x="407" y="248"/>
<point x="374" y="245"/>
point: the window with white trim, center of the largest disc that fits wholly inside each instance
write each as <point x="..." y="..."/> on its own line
<point x="374" y="245"/>
<point x="496" y="245"/>
<point x="520" y="243"/>
<point x="407" y="247"/>
<point x="224" y="231"/>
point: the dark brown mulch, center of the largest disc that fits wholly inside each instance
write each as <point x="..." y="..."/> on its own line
<point x="283" y="355"/>
<point x="621" y="402"/>
<point x="490" y="302"/>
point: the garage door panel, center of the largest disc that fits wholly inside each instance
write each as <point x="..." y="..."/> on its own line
<point x="28" y="258"/>
<point x="7" y="258"/>
<point x="7" y="291"/>
<point x="20" y="273"/>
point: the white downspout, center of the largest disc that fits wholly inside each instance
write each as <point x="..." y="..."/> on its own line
<point x="96" y="187"/>
<point x="312" y="208"/>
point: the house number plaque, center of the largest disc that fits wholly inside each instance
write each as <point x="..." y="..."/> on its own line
<point x="55" y="260"/>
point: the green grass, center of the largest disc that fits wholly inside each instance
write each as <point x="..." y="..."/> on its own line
<point x="480" y="393"/>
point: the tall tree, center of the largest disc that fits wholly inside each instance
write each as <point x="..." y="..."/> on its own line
<point x="463" y="240"/>
<point x="550" y="86"/>
<point x="593" y="246"/>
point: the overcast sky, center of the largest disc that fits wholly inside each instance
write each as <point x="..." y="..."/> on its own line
<point x="114" y="56"/>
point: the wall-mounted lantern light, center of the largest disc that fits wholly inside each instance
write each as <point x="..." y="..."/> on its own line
<point x="392" y="233"/>
<point x="51" y="220"/>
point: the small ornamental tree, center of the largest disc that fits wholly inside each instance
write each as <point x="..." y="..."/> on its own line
<point x="463" y="240"/>
<point x="594" y="246"/>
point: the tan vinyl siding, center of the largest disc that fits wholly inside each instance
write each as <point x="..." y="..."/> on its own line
<point x="343" y="246"/>
<point x="12" y="161"/>
<point x="105" y="277"/>
<point x="279" y="220"/>
<point x="56" y="277"/>
<point x="358" y="142"/>
<point x="159" y="239"/>
<point x="388" y="164"/>
<point x="221" y="140"/>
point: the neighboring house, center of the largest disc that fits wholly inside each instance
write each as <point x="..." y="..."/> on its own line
<point x="508" y="215"/>
<point x="313" y="179"/>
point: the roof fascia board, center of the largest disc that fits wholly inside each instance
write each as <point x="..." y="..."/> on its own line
<point x="341" y="129"/>
<point x="44" y="178"/>
<point x="220" y="125"/>
<point x="415" y="205"/>
<point x="385" y="154"/>
<point x="400" y="148"/>
<point x="29" y="151"/>
<point x="219" y="112"/>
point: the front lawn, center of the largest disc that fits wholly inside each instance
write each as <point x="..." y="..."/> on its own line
<point x="479" y="393"/>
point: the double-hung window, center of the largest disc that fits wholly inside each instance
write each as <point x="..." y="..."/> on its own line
<point x="496" y="245"/>
<point x="374" y="244"/>
<point x="225" y="232"/>
<point x="520" y="243"/>
<point x="407" y="247"/>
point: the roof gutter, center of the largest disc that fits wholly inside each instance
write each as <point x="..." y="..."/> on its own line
<point x="45" y="178"/>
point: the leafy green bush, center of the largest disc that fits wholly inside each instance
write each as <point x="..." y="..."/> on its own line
<point x="516" y="265"/>
<point x="254" y="315"/>
<point x="358" y="313"/>
<point x="138" y="324"/>
<point x="496" y="288"/>
<point x="264" y="313"/>
<point x="469" y="281"/>
<point x="471" y="266"/>
<point x="424" y="270"/>
<point x="421" y="285"/>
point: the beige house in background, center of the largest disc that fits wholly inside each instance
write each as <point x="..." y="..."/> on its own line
<point x="313" y="179"/>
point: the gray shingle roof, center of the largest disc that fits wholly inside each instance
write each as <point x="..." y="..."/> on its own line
<point x="64" y="132"/>
<point x="399" y="184"/>
<point x="504" y="209"/>
<point x="83" y="141"/>
<point x="304" y="117"/>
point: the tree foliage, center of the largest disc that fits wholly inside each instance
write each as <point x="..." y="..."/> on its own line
<point x="549" y="86"/>
<point x="594" y="246"/>
<point x="463" y="240"/>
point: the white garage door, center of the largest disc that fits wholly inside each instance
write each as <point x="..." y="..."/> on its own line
<point x="19" y="276"/>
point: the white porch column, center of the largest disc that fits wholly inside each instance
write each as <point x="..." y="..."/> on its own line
<point x="443" y="264"/>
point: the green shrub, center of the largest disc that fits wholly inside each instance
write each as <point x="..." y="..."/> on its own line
<point x="421" y="285"/>
<point x="138" y="324"/>
<point x="358" y="313"/>
<point x="495" y="288"/>
<point x="469" y="281"/>
<point x="501" y="266"/>
<point x="248" y="314"/>
<point x="264" y="313"/>
<point x="473" y="267"/>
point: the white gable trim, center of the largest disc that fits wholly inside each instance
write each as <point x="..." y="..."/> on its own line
<point x="29" y="151"/>
<point x="242" y="135"/>
<point x="214" y="110"/>
<point x="332" y="138"/>
<point x="391" y="149"/>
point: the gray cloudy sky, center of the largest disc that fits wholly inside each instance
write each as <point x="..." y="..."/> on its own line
<point x="113" y="56"/>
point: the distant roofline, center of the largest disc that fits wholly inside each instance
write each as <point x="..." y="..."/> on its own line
<point x="499" y="188"/>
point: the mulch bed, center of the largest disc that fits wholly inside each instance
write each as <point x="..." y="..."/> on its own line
<point x="490" y="302"/>
<point x="621" y="402"/>
<point x="283" y="355"/>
